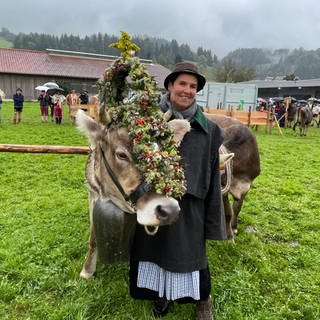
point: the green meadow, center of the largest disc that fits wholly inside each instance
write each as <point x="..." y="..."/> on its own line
<point x="271" y="272"/>
<point x="5" y="44"/>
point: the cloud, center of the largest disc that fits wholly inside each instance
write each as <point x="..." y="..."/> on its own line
<point x="219" y="25"/>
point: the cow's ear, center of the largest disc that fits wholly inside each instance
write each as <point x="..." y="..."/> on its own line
<point x="180" y="127"/>
<point x="89" y="127"/>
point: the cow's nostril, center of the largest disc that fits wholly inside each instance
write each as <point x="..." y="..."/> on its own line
<point x="162" y="213"/>
<point x="167" y="214"/>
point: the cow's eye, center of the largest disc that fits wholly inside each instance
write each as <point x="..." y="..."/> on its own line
<point x="122" y="156"/>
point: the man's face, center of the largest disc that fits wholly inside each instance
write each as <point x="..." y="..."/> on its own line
<point x="183" y="91"/>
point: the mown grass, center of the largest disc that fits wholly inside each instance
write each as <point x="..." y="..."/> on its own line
<point x="271" y="273"/>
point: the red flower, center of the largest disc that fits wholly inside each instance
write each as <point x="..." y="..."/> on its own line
<point x="167" y="189"/>
<point x="139" y="122"/>
<point x="137" y="137"/>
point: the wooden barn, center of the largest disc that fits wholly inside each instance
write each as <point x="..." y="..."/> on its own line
<point x="27" y="69"/>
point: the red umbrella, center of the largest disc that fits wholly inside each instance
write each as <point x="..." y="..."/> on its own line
<point x="261" y="100"/>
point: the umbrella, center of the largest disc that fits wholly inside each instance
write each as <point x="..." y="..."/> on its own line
<point x="51" y="85"/>
<point x="52" y="91"/>
<point x="275" y="99"/>
<point x="41" y="88"/>
<point x="291" y="98"/>
<point x="261" y="100"/>
<point x="312" y="99"/>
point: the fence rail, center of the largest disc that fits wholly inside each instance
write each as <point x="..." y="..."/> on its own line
<point x="249" y="118"/>
<point x="43" y="149"/>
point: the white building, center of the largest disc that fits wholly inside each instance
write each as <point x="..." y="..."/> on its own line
<point x="216" y="95"/>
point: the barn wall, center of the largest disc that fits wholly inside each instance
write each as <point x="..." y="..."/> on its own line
<point x="10" y="82"/>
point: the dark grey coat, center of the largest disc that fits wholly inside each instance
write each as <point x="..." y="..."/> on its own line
<point x="181" y="247"/>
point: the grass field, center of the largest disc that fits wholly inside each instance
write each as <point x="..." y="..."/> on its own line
<point x="271" y="273"/>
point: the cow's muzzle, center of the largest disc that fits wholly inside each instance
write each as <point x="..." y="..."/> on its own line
<point x="166" y="214"/>
<point x="154" y="210"/>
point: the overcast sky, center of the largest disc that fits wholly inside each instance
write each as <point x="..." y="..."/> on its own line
<point x="219" y="25"/>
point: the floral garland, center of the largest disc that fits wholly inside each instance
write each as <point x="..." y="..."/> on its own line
<point x="129" y="98"/>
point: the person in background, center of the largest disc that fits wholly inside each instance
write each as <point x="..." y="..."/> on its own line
<point x="57" y="110"/>
<point x="44" y="100"/>
<point x="172" y="265"/>
<point x="84" y="97"/>
<point x="0" y="107"/>
<point x="58" y="99"/>
<point x="18" y="100"/>
<point x="71" y="99"/>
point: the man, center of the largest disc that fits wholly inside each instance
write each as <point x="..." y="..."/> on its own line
<point x="18" y="100"/>
<point x="172" y="265"/>
<point x="44" y="100"/>
<point x="84" y="97"/>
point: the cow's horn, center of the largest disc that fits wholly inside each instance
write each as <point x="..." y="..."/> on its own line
<point x="104" y="116"/>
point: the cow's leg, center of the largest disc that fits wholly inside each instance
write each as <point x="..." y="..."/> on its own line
<point x="301" y="130"/>
<point x="236" y="208"/>
<point x="294" y="126"/>
<point x="228" y="215"/>
<point x="89" y="267"/>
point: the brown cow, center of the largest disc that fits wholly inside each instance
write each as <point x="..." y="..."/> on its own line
<point x="239" y="140"/>
<point x="303" y="118"/>
<point x="111" y="227"/>
<point x="291" y="113"/>
<point x="112" y="176"/>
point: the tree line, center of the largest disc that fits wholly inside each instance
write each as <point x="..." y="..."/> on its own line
<point x="239" y="65"/>
<point x="159" y="50"/>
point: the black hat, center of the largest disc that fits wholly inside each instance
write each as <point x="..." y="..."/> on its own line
<point x="185" y="67"/>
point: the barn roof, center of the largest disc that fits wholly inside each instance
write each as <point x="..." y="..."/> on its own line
<point x="65" y="64"/>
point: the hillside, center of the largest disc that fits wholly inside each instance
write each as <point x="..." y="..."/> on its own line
<point x="250" y="63"/>
<point x="5" y="44"/>
<point x="302" y="63"/>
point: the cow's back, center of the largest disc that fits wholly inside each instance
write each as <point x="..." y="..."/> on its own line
<point x="305" y="115"/>
<point x="241" y="141"/>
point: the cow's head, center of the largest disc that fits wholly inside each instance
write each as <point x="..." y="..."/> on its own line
<point x="112" y="147"/>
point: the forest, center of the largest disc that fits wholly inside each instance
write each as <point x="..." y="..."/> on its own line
<point x="239" y="65"/>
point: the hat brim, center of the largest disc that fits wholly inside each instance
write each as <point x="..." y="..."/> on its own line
<point x="171" y="76"/>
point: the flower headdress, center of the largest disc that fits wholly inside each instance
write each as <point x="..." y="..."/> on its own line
<point x="129" y="98"/>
